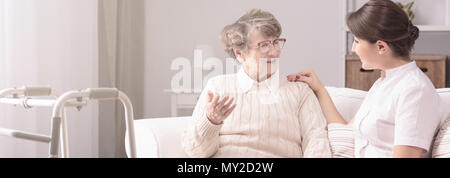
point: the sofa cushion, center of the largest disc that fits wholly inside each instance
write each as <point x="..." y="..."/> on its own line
<point x="161" y="137"/>
<point x="441" y="146"/>
<point x="346" y="100"/>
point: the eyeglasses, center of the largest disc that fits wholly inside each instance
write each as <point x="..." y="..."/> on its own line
<point x="264" y="46"/>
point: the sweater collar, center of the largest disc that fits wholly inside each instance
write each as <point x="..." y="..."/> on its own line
<point x="246" y="83"/>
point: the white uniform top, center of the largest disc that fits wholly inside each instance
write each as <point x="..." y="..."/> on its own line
<point x="401" y="108"/>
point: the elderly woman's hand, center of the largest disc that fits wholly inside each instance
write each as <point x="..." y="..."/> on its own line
<point x="308" y="77"/>
<point x="217" y="111"/>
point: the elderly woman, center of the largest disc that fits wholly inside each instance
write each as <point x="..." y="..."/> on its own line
<point x="270" y="117"/>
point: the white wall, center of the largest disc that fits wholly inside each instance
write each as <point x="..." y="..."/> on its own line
<point x="426" y="12"/>
<point x="314" y="32"/>
<point x="51" y="43"/>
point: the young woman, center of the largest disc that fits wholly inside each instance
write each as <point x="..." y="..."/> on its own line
<point x="402" y="110"/>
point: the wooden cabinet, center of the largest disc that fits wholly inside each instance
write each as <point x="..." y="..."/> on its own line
<point x="358" y="78"/>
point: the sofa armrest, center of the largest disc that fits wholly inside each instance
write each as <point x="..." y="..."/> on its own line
<point x="159" y="137"/>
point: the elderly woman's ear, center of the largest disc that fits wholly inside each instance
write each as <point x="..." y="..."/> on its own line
<point x="238" y="54"/>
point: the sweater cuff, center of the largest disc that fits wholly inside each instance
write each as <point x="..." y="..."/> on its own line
<point x="208" y="129"/>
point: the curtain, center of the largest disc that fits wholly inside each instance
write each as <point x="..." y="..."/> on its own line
<point x="49" y="43"/>
<point x="121" y="25"/>
<point x="70" y="45"/>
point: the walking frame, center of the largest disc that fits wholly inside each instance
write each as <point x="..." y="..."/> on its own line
<point x="78" y="99"/>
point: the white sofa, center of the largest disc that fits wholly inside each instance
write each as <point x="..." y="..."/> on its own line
<point x="160" y="137"/>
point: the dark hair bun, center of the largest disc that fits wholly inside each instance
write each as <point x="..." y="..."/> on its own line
<point x="413" y="32"/>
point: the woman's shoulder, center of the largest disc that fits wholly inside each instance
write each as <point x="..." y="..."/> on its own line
<point x="415" y="79"/>
<point x="416" y="83"/>
<point x="299" y="88"/>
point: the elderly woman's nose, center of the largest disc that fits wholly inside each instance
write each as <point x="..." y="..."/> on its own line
<point x="274" y="52"/>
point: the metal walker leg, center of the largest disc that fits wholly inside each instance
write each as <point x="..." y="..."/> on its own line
<point x="91" y="94"/>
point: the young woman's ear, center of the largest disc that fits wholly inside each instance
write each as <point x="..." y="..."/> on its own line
<point x="382" y="47"/>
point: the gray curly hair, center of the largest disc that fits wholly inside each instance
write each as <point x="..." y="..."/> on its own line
<point x="235" y="36"/>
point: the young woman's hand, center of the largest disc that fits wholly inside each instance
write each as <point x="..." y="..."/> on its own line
<point x="218" y="110"/>
<point x="308" y="77"/>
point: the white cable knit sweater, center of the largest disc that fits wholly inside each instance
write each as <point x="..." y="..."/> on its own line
<point x="271" y="119"/>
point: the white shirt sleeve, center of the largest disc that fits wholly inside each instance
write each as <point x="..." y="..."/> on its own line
<point x="417" y="116"/>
